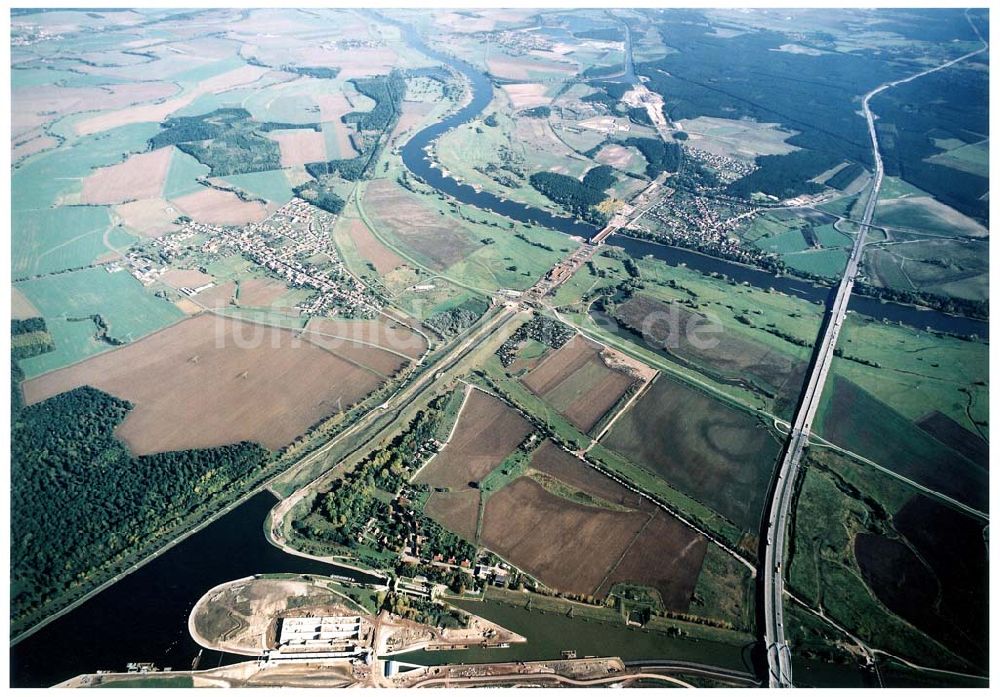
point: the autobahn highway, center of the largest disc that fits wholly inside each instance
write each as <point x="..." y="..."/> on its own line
<point x="779" y="661"/>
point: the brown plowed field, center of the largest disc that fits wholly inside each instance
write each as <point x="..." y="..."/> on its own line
<point x="572" y="546"/>
<point x="186" y="278"/>
<point x="554" y="461"/>
<point x="209" y="381"/>
<point x="432" y="236"/>
<point x="382" y="258"/>
<point x="456" y="510"/>
<point x="140" y="176"/>
<point x="566" y="545"/>
<point x="488" y="430"/>
<point x="261" y="292"/>
<point x="667" y="555"/>
<point x="216" y="207"/>
<point x="576" y="381"/>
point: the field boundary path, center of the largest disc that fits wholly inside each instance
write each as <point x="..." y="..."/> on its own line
<point x="779" y="658"/>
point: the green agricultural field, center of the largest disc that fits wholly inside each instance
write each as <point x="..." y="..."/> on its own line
<point x="973" y="158"/>
<point x="55" y="239"/>
<point x="829" y="236"/>
<point x="919" y="372"/>
<point x="855" y="420"/>
<point x="823" y="262"/>
<point x="182" y="175"/>
<point x="784" y="242"/>
<point x="272" y="185"/>
<point x="950" y="267"/>
<point x="129" y="311"/>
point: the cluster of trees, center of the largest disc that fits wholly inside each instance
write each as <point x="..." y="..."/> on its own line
<point x="338" y="515"/>
<point x="388" y="92"/>
<point x="660" y="156"/>
<point x="426" y="611"/>
<point x="80" y="501"/>
<point x="321" y="73"/>
<point x="321" y="196"/>
<point x="542" y="329"/>
<point x="785" y="176"/>
<point x="453" y="321"/>
<point x="226" y="140"/>
<point x="29" y="337"/>
<point x="577" y="196"/>
<point x="538" y="112"/>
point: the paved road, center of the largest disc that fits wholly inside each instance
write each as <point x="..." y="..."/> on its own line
<point x="778" y="653"/>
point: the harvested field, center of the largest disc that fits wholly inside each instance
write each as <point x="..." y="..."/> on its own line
<point x="35" y="106"/>
<point x="667" y="555"/>
<point x="26" y="147"/>
<point x="139" y="177"/>
<point x="217" y="296"/>
<point x="20" y="306"/>
<point x="413" y="115"/>
<point x="300" y="146"/>
<point x="150" y="217"/>
<point x="384" y="332"/>
<point x="511" y="68"/>
<point x="552" y="460"/>
<point x="186" y="278"/>
<point x="853" y="418"/>
<point x="161" y="110"/>
<point x="333" y="106"/>
<point x="736" y="138"/>
<point x="526" y="95"/>
<point x="382" y="258"/>
<point x="960" y="439"/>
<point x="209" y="381"/>
<point x="566" y="545"/>
<point x="260" y="292"/>
<point x="621" y="157"/>
<point x="579" y="531"/>
<point x="430" y="235"/>
<point x="221" y="208"/>
<point x="578" y="382"/>
<point x="456" y="510"/>
<point x="488" y="430"/>
<point x="242" y="616"/>
<point x="731" y="358"/>
<point x="716" y="454"/>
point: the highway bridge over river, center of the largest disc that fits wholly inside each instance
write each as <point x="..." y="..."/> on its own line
<point x="779" y="659"/>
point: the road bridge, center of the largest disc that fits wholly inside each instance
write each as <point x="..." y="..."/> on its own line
<point x="779" y="659"/>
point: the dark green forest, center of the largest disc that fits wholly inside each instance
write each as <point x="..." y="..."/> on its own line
<point x="80" y="501"/>
<point x="228" y="140"/>
<point x="578" y="197"/>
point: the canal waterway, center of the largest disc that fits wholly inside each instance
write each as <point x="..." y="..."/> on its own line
<point x="144" y="616"/>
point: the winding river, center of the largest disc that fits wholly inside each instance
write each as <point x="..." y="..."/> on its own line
<point x="416" y="159"/>
<point x="143" y="617"/>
